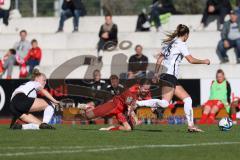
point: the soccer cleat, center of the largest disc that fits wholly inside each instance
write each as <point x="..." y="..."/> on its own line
<point x="194" y="129"/>
<point x="46" y="126"/>
<point x="16" y="126"/>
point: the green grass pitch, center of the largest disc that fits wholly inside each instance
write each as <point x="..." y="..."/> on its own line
<point x="146" y="142"/>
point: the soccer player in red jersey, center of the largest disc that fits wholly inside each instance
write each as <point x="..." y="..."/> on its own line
<point x="121" y="104"/>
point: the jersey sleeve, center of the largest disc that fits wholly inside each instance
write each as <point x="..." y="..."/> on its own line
<point x="184" y="49"/>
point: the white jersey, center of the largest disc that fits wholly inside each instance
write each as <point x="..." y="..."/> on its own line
<point x="30" y="89"/>
<point x="173" y="54"/>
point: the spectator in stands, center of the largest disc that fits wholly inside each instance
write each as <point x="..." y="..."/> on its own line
<point x="230" y="38"/>
<point x="71" y="8"/>
<point x="22" y="47"/>
<point x="220" y="92"/>
<point x="155" y="14"/>
<point x="161" y="7"/>
<point x="98" y="83"/>
<point x="237" y="8"/>
<point x="137" y="64"/>
<point x="4" y="10"/>
<point x="7" y="63"/>
<point x="108" y="34"/>
<point x="115" y="87"/>
<point x="216" y="7"/>
<point x="143" y="23"/>
<point x="34" y="56"/>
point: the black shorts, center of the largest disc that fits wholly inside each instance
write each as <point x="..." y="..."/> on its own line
<point x="20" y="104"/>
<point x="170" y="79"/>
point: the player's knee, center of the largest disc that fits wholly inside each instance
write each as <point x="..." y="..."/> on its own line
<point x="164" y="103"/>
<point x="188" y="101"/>
<point x="128" y="128"/>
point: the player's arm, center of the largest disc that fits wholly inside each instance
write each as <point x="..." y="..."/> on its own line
<point x="158" y="64"/>
<point x="135" y="118"/>
<point x="48" y="95"/>
<point x="193" y="60"/>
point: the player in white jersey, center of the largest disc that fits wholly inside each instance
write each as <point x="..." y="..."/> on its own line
<point x="24" y="101"/>
<point x="173" y="51"/>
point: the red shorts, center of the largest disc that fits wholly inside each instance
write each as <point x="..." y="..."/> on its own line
<point x="111" y="109"/>
<point x="213" y="103"/>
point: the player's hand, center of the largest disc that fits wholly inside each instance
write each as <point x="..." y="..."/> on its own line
<point x="207" y="61"/>
<point x="105" y="35"/>
<point x="56" y="102"/>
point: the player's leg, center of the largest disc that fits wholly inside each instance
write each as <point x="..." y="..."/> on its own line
<point x="233" y="110"/>
<point x="25" y="105"/>
<point x="29" y="118"/>
<point x="125" y="126"/>
<point x="153" y="103"/>
<point x="100" y="111"/>
<point x="184" y="96"/>
<point x="213" y="112"/>
<point x="206" y="112"/>
<point x="167" y="95"/>
<point x="43" y="104"/>
<point x="32" y="122"/>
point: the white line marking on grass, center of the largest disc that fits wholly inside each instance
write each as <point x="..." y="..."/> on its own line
<point x="78" y="149"/>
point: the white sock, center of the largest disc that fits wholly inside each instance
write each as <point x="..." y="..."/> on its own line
<point x="30" y="126"/>
<point x="153" y="103"/>
<point x="188" y="110"/>
<point x="48" y="113"/>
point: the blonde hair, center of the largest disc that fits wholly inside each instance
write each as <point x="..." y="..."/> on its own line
<point x="36" y="73"/>
<point x="180" y="31"/>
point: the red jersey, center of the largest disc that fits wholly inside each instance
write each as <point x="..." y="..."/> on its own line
<point x="129" y="97"/>
<point x="120" y="103"/>
<point x="34" y="53"/>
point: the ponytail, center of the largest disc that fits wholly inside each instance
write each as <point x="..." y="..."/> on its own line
<point x="36" y="73"/>
<point x="179" y="32"/>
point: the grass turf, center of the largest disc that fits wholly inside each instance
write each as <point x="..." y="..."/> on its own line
<point x="87" y="143"/>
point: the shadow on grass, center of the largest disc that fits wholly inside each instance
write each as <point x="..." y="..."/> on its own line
<point x="147" y="130"/>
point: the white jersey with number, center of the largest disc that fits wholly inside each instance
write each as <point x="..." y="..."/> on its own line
<point x="30" y="89"/>
<point x="173" y="54"/>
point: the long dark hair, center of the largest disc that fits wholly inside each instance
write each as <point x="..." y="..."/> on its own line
<point x="179" y="32"/>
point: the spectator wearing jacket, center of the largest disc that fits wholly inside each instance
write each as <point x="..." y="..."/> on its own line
<point x="7" y="63"/>
<point x="108" y="34"/>
<point x="98" y="83"/>
<point x="230" y="38"/>
<point x="71" y="8"/>
<point x="216" y="7"/>
<point x="34" y="56"/>
<point x="115" y="87"/>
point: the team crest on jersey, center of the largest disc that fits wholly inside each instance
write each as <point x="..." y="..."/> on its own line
<point x="129" y="100"/>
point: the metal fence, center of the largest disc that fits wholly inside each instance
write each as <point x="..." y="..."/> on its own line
<point x="33" y="8"/>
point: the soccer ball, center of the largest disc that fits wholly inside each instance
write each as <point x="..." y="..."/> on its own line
<point x="225" y="124"/>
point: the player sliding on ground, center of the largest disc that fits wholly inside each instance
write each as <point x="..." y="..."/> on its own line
<point x="121" y="104"/>
<point x="24" y="101"/>
<point x="173" y="50"/>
